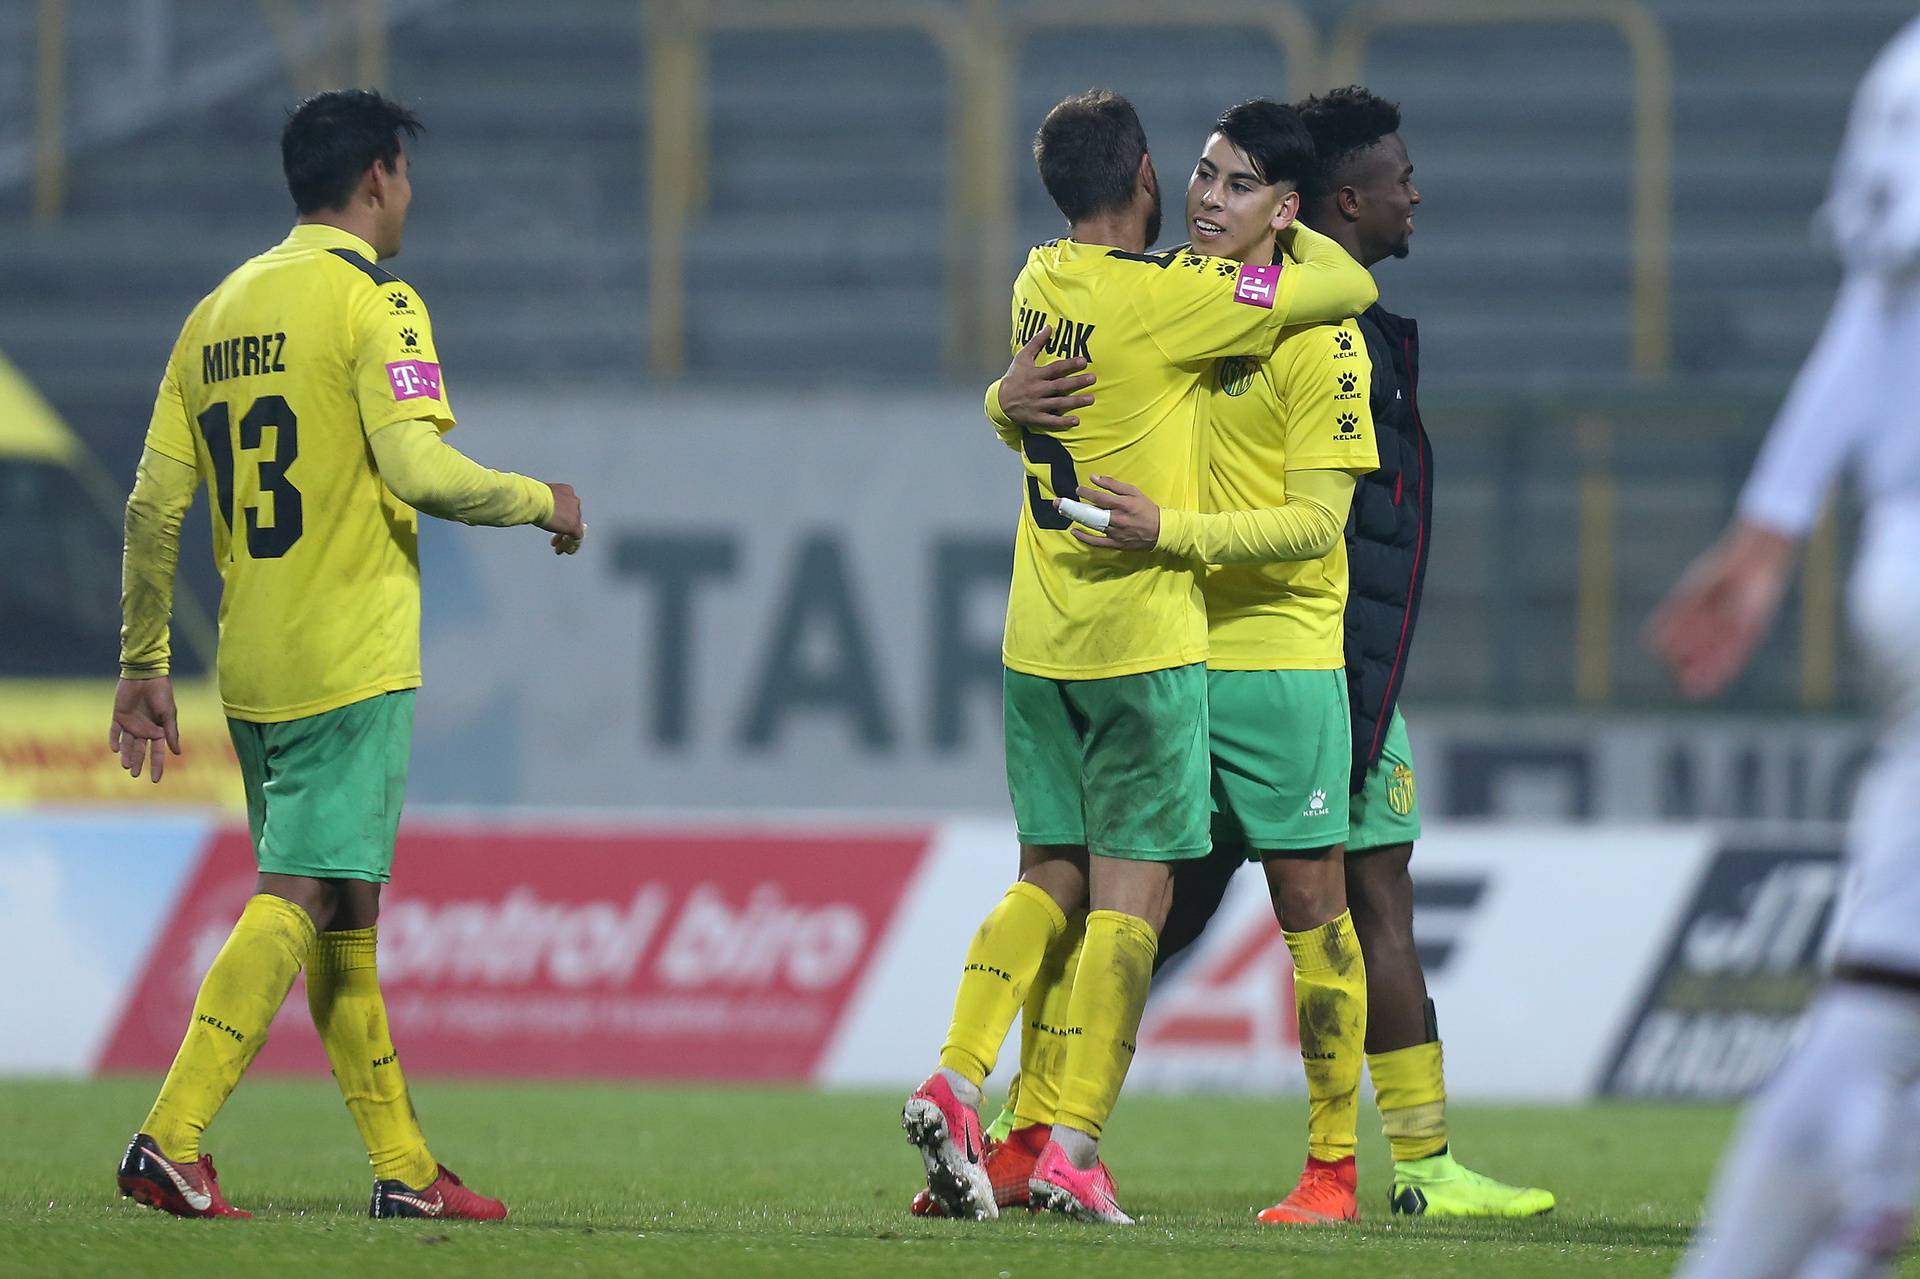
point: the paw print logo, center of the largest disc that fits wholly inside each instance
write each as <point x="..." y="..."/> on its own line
<point x="1316" y="805"/>
<point x="1194" y="262"/>
<point x="1343" y="340"/>
<point x="1348" y="381"/>
<point x="1349" y="425"/>
<point x="409" y="337"/>
<point x="1225" y="269"/>
<point x="399" y="300"/>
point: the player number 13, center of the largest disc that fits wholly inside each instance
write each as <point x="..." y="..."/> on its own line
<point x="277" y="538"/>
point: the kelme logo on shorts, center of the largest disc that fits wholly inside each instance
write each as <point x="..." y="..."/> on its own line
<point x="1316" y="805"/>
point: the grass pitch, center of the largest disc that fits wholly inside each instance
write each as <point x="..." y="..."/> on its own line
<point x="722" y="1182"/>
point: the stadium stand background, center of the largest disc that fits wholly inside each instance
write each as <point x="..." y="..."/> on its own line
<point x="817" y="257"/>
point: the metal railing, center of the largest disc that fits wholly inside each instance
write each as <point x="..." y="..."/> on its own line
<point x="678" y="89"/>
<point x="980" y="43"/>
<point x="49" y="109"/>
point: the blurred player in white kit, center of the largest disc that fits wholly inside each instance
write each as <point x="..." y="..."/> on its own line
<point x="1821" y="1178"/>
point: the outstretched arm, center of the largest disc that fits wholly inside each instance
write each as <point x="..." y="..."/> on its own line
<point x="1715" y="617"/>
<point x="430" y="475"/>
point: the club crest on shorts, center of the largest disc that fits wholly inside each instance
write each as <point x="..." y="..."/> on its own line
<point x="1400" y="790"/>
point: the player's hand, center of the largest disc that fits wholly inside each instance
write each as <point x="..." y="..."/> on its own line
<point x="566" y="525"/>
<point x="1711" y="622"/>
<point x="143" y="717"/>
<point x="1133" y="520"/>
<point x="1042" y="397"/>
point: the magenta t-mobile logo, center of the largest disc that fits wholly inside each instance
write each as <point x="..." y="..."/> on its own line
<point x="413" y="379"/>
<point x="1256" y="285"/>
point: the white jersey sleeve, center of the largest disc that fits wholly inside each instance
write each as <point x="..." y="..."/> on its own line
<point x="1872" y="213"/>
<point x="1834" y="403"/>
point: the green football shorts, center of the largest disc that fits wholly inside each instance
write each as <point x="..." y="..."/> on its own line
<point x="324" y="792"/>
<point x="1118" y="765"/>
<point x="1282" y="751"/>
<point x="1386" y="810"/>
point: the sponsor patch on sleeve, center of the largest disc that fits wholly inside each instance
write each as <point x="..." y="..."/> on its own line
<point x="1256" y="285"/>
<point x="416" y="379"/>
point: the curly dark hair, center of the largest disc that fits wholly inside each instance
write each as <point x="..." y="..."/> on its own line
<point x="1343" y="123"/>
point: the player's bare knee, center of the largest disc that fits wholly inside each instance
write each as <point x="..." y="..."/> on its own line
<point x="1143" y="889"/>
<point x="311" y="895"/>
<point x="1059" y="871"/>
<point x="1308" y="888"/>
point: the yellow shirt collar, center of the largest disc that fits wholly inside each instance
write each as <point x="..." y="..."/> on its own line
<point x="317" y="235"/>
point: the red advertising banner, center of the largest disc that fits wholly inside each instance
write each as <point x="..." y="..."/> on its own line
<point x="705" y="953"/>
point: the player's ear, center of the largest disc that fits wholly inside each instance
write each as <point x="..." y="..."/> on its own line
<point x="1146" y="179"/>
<point x="1289" y="209"/>
<point x="1347" y="200"/>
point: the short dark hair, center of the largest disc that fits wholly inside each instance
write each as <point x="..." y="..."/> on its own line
<point x="1344" y="123"/>
<point x="332" y="137"/>
<point x="1273" y="137"/>
<point x="1089" y="149"/>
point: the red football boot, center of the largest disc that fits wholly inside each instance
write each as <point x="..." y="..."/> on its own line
<point x="185" y="1190"/>
<point x="1324" y="1195"/>
<point x="447" y="1199"/>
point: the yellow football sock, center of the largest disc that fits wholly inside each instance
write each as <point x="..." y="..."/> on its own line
<point x="343" y="994"/>
<point x="1410" y="1085"/>
<point x="1330" y="1002"/>
<point x="1046" y="1034"/>
<point x="1001" y="960"/>
<point x="238" y="998"/>
<point x="1109" y="995"/>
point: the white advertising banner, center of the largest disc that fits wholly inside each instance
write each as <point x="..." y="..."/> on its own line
<point x="1537" y="942"/>
<point x="1565" y="961"/>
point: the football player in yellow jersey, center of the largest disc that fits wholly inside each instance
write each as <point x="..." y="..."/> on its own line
<point x="1105" y="705"/>
<point x="305" y="391"/>
<point x="1364" y="195"/>
<point x="1290" y="436"/>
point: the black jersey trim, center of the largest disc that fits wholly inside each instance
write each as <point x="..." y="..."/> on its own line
<point x="1161" y="260"/>
<point x="378" y="274"/>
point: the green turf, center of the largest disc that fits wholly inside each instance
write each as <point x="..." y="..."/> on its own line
<point x="722" y="1182"/>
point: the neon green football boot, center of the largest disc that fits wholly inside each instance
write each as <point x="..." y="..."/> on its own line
<point x="1440" y="1186"/>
